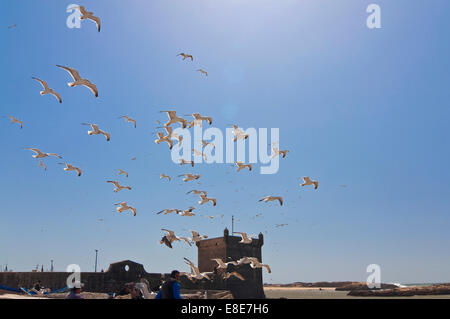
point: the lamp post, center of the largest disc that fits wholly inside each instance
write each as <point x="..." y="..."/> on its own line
<point x="96" y="252"/>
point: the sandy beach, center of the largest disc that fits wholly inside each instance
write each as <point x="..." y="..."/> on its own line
<point x="328" y="293"/>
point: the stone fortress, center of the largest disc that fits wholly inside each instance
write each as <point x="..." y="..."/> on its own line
<point x="118" y="274"/>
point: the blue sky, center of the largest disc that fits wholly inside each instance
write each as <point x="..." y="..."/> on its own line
<point x="360" y="107"/>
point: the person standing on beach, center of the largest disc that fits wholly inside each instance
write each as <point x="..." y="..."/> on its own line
<point x="171" y="287"/>
<point x="75" y="292"/>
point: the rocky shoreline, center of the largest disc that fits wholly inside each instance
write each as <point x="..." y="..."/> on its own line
<point x="443" y="289"/>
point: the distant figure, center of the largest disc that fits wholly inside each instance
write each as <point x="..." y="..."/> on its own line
<point x="75" y="292"/>
<point x="171" y="287"/>
<point x="37" y="286"/>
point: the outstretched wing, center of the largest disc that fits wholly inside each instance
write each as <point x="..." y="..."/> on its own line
<point x="43" y="83"/>
<point x="73" y="73"/>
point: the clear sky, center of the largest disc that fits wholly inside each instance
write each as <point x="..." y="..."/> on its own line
<point x="364" y="108"/>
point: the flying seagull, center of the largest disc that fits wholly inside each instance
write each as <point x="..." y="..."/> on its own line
<point x="48" y="90"/>
<point x="308" y="181"/>
<point x="79" y="81"/>
<point x="97" y="131"/>
<point x="90" y="16"/>
<point x="271" y="199"/>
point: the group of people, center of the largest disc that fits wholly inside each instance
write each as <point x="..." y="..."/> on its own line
<point x="170" y="289"/>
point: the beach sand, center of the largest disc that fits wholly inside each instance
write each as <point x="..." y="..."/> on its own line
<point x="328" y="293"/>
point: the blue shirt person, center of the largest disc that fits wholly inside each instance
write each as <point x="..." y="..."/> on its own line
<point x="171" y="287"/>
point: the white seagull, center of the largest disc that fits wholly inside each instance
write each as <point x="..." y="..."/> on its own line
<point x="196" y="236"/>
<point x="122" y="172"/>
<point x="14" y="120"/>
<point x="256" y="264"/>
<point x="162" y="138"/>
<point x="185" y="56"/>
<point x="227" y="275"/>
<point x="196" y="272"/>
<point x="198" y="119"/>
<point x="48" y="90"/>
<point x="189" y="177"/>
<point x="277" y="152"/>
<point x="205" y="199"/>
<point x="173" y="118"/>
<point x="164" y="176"/>
<point x="239" y="134"/>
<point x="69" y="167"/>
<point x="128" y="120"/>
<point x="97" y="131"/>
<point x="271" y="199"/>
<point x="118" y="187"/>
<point x="90" y="16"/>
<point x="187" y="212"/>
<point x="224" y="265"/>
<point x="241" y="166"/>
<point x="245" y="238"/>
<point x="39" y="154"/>
<point x="202" y="72"/>
<point x="79" y="81"/>
<point x="308" y="181"/>
<point x="124" y="207"/>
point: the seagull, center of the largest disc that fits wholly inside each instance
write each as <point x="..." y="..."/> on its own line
<point x="198" y="119"/>
<point x="39" y="154"/>
<point x="172" y="135"/>
<point x="277" y="152"/>
<point x="183" y="161"/>
<point x="79" y="81"/>
<point x="227" y="275"/>
<point x="205" y="199"/>
<point x="128" y="120"/>
<point x="89" y="15"/>
<point x="118" y="187"/>
<point x="171" y="237"/>
<point x="197" y="192"/>
<point x="184" y="55"/>
<point x="14" y="120"/>
<point x="165" y="241"/>
<point x="205" y="144"/>
<point x="197" y="153"/>
<point x="280" y="225"/>
<point x="308" y="181"/>
<point x="12" y="26"/>
<point x="239" y="134"/>
<point x="223" y="265"/>
<point x="189" y="177"/>
<point x="162" y="138"/>
<point x="167" y="211"/>
<point x="97" y="131"/>
<point x="271" y="199"/>
<point x="196" y="236"/>
<point x="187" y="212"/>
<point x="245" y="238"/>
<point x="124" y="207"/>
<point x="41" y="164"/>
<point x="242" y="166"/>
<point x="47" y="90"/>
<point x="122" y="172"/>
<point x="71" y="168"/>
<point x="164" y="176"/>
<point x="244" y="261"/>
<point x="196" y="272"/>
<point x="203" y="72"/>
<point x="256" y="264"/>
<point x="173" y="118"/>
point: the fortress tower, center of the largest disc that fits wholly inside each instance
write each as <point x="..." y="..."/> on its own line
<point x="228" y="248"/>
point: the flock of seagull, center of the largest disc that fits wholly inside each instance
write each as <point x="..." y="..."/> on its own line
<point x="168" y="137"/>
